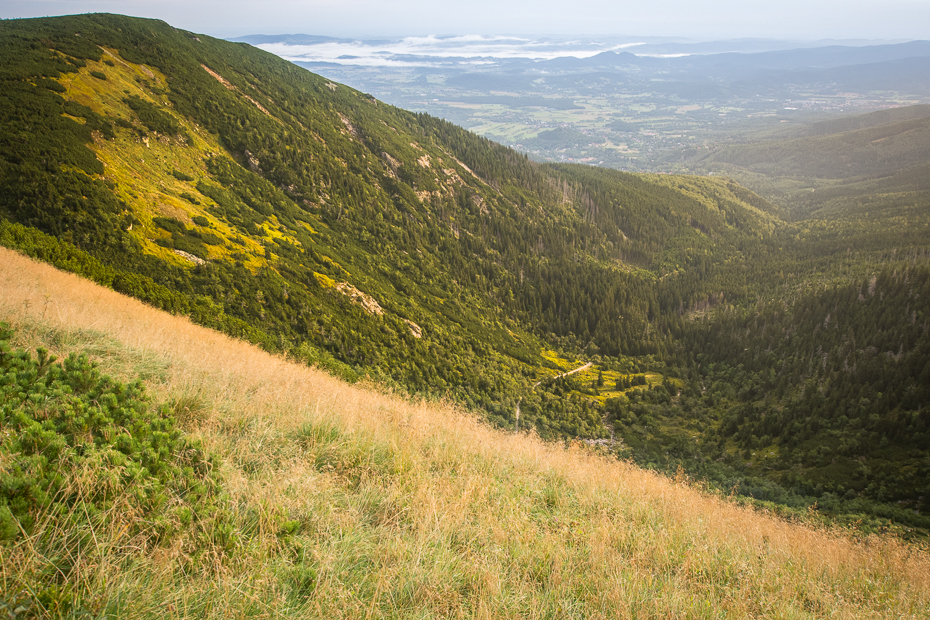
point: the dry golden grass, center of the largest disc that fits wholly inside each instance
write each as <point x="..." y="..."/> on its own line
<point x="412" y="509"/>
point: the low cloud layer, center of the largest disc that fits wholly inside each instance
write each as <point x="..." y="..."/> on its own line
<point x="420" y="51"/>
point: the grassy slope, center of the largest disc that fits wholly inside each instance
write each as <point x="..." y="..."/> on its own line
<point x="141" y="167"/>
<point x="411" y="509"/>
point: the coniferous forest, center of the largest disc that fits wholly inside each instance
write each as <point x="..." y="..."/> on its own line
<point x="784" y="359"/>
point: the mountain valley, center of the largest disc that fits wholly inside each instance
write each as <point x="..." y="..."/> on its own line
<point x="774" y="346"/>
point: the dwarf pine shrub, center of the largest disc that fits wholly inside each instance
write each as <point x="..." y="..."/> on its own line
<point x="82" y="449"/>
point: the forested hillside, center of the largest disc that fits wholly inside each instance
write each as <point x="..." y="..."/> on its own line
<point x="217" y="181"/>
<point x="872" y="151"/>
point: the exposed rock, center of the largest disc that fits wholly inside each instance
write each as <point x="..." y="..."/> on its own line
<point x="364" y="300"/>
<point x="188" y="256"/>
<point x="391" y="161"/>
<point x="253" y="161"/>
<point x="479" y="202"/>
<point x="415" y="329"/>
<point x="349" y="125"/>
<point x="393" y="165"/>
<point x="219" y="78"/>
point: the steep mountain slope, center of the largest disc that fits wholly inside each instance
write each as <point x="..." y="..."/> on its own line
<point x="211" y="170"/>
<point x="217" y="181"/>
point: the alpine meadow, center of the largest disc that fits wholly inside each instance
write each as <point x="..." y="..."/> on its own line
<point x="272" y="347"/>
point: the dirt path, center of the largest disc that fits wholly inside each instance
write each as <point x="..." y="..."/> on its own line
<point x="535" y="385"/>
<point x="565" y="374"/>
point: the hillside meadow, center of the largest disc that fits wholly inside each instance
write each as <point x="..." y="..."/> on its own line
<point x="344" y="501"/>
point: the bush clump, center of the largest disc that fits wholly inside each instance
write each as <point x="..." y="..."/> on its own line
<point x="80" y="450"/>
<point x="153" y="118"/>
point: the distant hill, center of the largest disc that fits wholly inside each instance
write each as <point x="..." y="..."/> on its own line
<point x="831" y="151"/>
<point x="866" y="121"/>
<point x="824" y="57"/>
<point x="288" y="39"/>
<point x="881" y="153"/>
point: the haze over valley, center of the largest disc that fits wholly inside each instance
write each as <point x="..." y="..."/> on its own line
<point x="621" y="102"/>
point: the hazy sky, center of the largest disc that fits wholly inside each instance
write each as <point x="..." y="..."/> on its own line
<point x="699" y="19"/>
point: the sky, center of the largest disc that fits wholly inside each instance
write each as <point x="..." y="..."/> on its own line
<point x="889" y="20"/>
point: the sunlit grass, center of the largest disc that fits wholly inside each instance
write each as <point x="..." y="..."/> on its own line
<point x="140" y="167"/>
<point x="353" y="503"/>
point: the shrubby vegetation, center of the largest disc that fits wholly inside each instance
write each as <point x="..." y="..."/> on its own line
<point x="77" y="441"/>
<point x="81" y="454"/>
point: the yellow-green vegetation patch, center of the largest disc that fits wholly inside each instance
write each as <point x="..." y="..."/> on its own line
<point x="555" y="358"/>
<point x="327" y="260"/>
<point x="652" y="378"/>
<point x="76" y="119"/>
<point x="123" y="79"/>
<point x="274" y="230"/>
<point x="156" y="174"/>
<point x="711" y="192"/>
<point x="324" y="280"/>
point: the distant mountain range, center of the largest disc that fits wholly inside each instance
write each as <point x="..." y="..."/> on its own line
<point x="624" y="102"/>
<point x="856" y="67"/>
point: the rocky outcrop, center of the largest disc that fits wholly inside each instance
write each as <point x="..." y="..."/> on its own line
<point x="415" y="329"/>
<point x="366" y="301"/>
